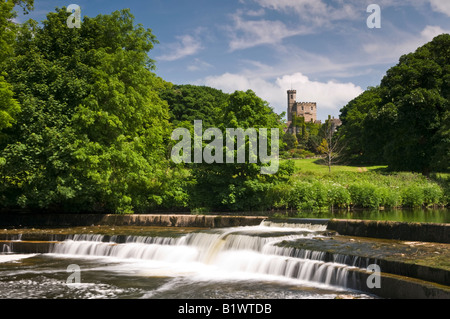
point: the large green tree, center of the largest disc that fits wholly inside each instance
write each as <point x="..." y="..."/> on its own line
<point x="358" y="141"/>
<point x="404" y="122"/>
<point x="188" y="103"/>
<point x="9" y="106"/>
<point x="240" y="186"/>
<point x="93" y="132"/>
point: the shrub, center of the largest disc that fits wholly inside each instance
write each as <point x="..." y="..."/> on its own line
<point x="389" y="196"/>
<point x="413" y="196"/>
<point x="364" y="194"/>
<point x="338" y="196"/>
<point x="432" y="194"/>
<point x="280" y="195"/>
<point x="302" y="196"/>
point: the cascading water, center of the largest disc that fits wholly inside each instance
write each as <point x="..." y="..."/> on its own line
<point x="239" y="252"/>
<point x="6" y="249"/>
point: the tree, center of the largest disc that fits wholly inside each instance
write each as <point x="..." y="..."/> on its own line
<point x="403" y="122"/>
<point x="239" y="186"/>
<point x="9" y="107"/>
<point x="188" y="103"/>
<point x="361" y="143"/>
<point x="330" y="144"/>
<point x="290" y="140"/>
<point x="93" y="133"/>
<point x="8" y="28"/>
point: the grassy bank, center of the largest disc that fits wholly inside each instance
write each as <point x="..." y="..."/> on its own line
<point x="312" y="165"/>
<point x="313" y="187"/>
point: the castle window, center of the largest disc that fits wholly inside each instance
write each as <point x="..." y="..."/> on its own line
<point x="292" y="96"/>
<point x="312" y="108"/>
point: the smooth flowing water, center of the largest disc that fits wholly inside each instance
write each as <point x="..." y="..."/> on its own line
<point x="419" y="215"/>
<point x="236" y="263"/>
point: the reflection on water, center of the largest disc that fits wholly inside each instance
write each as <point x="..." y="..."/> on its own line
<point x="399" y="215"/>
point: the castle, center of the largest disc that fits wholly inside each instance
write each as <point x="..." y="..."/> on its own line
<point x="307" y="110"/>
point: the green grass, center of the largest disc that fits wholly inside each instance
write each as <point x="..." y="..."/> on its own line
<point x="312" y="166"/>
<point x="312" y="186"/>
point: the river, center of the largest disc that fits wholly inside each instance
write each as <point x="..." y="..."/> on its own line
<point x="228" y="263"/>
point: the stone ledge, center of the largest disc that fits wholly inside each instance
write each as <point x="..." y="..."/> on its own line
<point x="169" y="220"/>
<point x="398" y="287"/>
<point x="424" y="232"/>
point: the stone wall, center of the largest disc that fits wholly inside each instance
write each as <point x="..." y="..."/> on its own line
<point x="426" y="232"/>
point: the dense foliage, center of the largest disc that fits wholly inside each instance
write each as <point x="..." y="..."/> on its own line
<point x="405" y="121"/>
<point x="239" y="186"/>
<point x="189" y="103"/>
<point x="92" y="131"/>
<point x="86" y="124"/>
<point x="315" y="191"/>
<point x="303" y="141"/>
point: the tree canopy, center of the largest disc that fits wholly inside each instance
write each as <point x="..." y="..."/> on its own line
<point x="188" y="103"/>
<point x="85" y="123"/>
<point x="240" y="186"/>
<point x="92" y="131"/>
<point x="404" y="122"/>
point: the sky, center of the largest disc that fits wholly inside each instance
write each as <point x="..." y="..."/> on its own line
<point x="324" y="49"/>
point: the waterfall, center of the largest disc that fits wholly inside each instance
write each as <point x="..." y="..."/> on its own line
<point x="6" y="249"/>
<point x="249" y="250"/>
<point x="299" y="225"/>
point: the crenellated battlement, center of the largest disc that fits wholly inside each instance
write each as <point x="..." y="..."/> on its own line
<point x="307" y="110"/>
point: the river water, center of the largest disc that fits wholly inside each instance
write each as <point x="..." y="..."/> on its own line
<point x="231" y="263"/>
<point x="418" y="215"/>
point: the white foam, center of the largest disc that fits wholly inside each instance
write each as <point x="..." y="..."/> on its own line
<point x="12" y="258"/>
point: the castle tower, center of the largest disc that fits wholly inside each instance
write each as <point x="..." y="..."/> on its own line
<point x="307" y="110"/>
<point x="292" y="100"/>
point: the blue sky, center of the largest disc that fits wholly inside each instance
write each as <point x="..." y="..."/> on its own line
<point x="322" y="48"/>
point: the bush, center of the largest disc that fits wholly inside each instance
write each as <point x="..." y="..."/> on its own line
<point x="413" y="196"/>
<point x="364" y="194"/>
<point x="338" y="196"/>
<point x="300" y="153"/>
<point x="312" y="191"/>
<point x="389" y="196"/>
<point x="433" y="194"/>
<point x="309" y="196"/>
<point x="280" y="195"/>
<point x="302" y="196"/>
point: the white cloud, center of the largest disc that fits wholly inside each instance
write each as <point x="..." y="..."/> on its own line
<point x="330" y="96"/>
<point x="255" y="13"/>
<point x="198" y="65"/>
<point x="388" y="50"/>
<point x="186" y="46"/>
<point x="442" y="6"/>
<point x="317" y="12"/>
<point x="249" y="33"/>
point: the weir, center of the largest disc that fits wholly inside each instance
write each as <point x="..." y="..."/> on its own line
<point x="233" y="250"/>
<point x="273" y="250"/>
